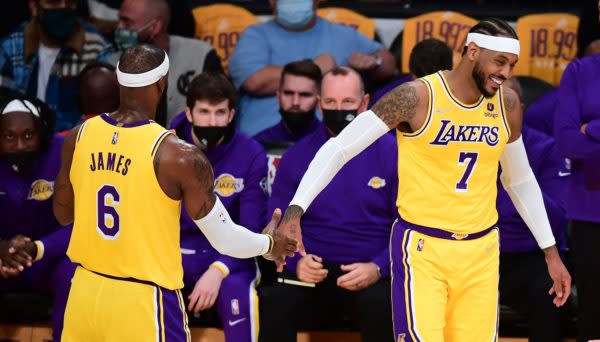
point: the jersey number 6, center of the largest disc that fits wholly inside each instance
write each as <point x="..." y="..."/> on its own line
<point x="107" y="221"/>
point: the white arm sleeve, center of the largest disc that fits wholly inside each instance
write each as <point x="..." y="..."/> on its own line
<point x="357" y="136"/>
<point x="520" y="183"/>
<point x="229" y="238"/>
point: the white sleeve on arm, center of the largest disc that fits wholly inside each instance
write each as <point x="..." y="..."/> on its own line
<point x="357" y="136"/>
<point x="229" y="238"/>
<point x="522" y="187"/>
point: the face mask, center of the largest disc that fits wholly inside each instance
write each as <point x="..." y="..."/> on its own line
<point x="297" y="122"/>
<point x="337" y="119"/>
<point x="210" y="136"/>
<point x="294" y="13"/>
<point x="19" y="160"/>
<point x="125" y="38"/>
<point x="58" y="23"/>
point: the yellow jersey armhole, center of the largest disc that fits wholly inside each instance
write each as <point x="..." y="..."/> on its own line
<point x="158" y="141"/>
<point x="502" y="112"/>
<point x="429" y="111"/>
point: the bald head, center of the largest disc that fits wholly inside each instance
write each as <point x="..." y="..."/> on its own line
<point x="349" y="74"/>
<point x="98" y="89"/>
<point x="136" y="14"/>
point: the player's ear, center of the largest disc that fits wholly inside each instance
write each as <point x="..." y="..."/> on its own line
<point x="472" y="51"/>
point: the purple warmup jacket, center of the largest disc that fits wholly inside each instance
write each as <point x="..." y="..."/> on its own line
<point x="540" y="113"/>
<point x="351" y="219"/>
<point x="240" y="168"/>
<point x="579" y="103"/>
<point x="26" y="202"/>
<point x="550" y="173"/>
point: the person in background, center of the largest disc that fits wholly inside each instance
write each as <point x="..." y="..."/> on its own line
<point x="212" y="280"/>
<point x="147" y="21"/>
<point x="98" y="89"/>
<point x="297" y="97"/>
<point x="44" y="56"/>
<point x="428" y="56"/>
<point x="347" y="268"/>
<point x="295" y="33"/>
<point x="33" y="244"/>
<point x="523" y="276"/>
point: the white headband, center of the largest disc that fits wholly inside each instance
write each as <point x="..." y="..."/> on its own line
<point x="500" y="44"/>
<point x="145" y="78"/>
<point x="21" y="106"/>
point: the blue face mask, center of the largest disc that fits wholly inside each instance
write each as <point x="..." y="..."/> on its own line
<point x="294" y="13"/>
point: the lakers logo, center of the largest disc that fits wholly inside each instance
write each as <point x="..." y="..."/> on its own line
<point x="227" y="185"/>
<point x="376" y="182"/>
<point x="457" y="236"/>
<point x="41" y="190"/>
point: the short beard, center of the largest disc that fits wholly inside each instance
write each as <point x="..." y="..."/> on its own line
<point x="480" y="79"/>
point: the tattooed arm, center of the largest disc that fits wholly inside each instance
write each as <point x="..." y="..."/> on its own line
<point x="185" y="173"/>
<point x="405" y="104"/>
<point x="514" y="112"/>
<point x="63" y="202"/>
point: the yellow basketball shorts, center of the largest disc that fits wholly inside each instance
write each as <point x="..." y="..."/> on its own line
<point x="444" y="285"/>
<point x="103" y="308"/>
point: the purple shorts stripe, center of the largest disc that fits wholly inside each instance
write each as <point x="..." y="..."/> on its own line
<point x="443" y="234"/>
<point x="174" y="317"/>
<point x="404" y="325"/>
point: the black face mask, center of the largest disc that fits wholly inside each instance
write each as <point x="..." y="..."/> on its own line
<point x="297" y="122"/>
<point x="19" y="160"/>
<point x="58" y="23"/>
<point x="210" y="136"/>
<point x="337" y="119"/>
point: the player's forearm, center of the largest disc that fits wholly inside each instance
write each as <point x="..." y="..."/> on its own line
<point x="264" y="82"/>
<point x="331" y="157"/>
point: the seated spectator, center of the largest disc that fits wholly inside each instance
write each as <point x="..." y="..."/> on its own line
<point x="44" y="56"/>
<point x="347" y="268"/>
<point x="98" y="89"/>
<point x="524" y="279"/>
<point x="147" y="21"/>
<point x="295" y="33"/>
<point x="297" y="98"/>
<point x="427" y="57"/>
<point x="214" y="281"/>
<point x="32" y="244"/>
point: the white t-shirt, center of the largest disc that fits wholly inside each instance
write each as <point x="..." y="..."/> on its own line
<point x="46" y="58"/>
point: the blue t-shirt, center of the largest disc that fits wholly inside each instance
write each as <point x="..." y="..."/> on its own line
<point x="268" y="43"/>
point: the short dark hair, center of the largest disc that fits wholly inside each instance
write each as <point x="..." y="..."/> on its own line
<point x="345" y="71"/>
<point x="305" y="68"/>
<point x="493" y="27"/>
<point x="212" y="87"/>
<point x="94" y="65"/>
<point x="429" y="56"/>
<point x="141" y="58"/>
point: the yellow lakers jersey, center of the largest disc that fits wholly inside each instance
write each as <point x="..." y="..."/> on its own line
<point x="350" y="18"/>
<point x="221" y="25"/>
<point x="448" y="168"/>
<point x="548" y="44"/>
<point x="125" y="225"/>
<point x="449" y="27"/>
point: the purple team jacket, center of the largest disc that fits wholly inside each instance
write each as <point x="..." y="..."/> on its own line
<point x="240" y="168"/>
<point x="279" y="134"/>
<point x="26" y="202"/>
<point x="550" y="173"/>
<point x="351" y="219"/>
<point x="579" y="103"/>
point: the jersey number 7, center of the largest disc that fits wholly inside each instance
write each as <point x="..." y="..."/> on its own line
<point x="469" y="158"/>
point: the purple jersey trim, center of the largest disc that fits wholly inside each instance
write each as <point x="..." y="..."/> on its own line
<point x="114" y="122"/>
<point x="442" y="234"/>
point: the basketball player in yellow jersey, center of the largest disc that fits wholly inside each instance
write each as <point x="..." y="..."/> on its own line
<point x="453" y="129"/>
<point x="121" y="183"/>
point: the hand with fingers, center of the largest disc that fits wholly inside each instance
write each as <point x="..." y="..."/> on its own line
<point x="560" y="276"/>
<point x="16" y="254"/>
<point x="290" y="226"/>
<point x="310" y="269"/>
<point x="283" y="245"/>
<point x="360" y="276"/>
<point x="206" y="290"/>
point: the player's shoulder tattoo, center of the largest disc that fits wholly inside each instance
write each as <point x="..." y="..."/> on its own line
<point x="399" y="105"/>
<point x="511" y="100"/>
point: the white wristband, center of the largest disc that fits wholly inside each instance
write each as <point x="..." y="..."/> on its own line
<point x="229" y="238"/>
